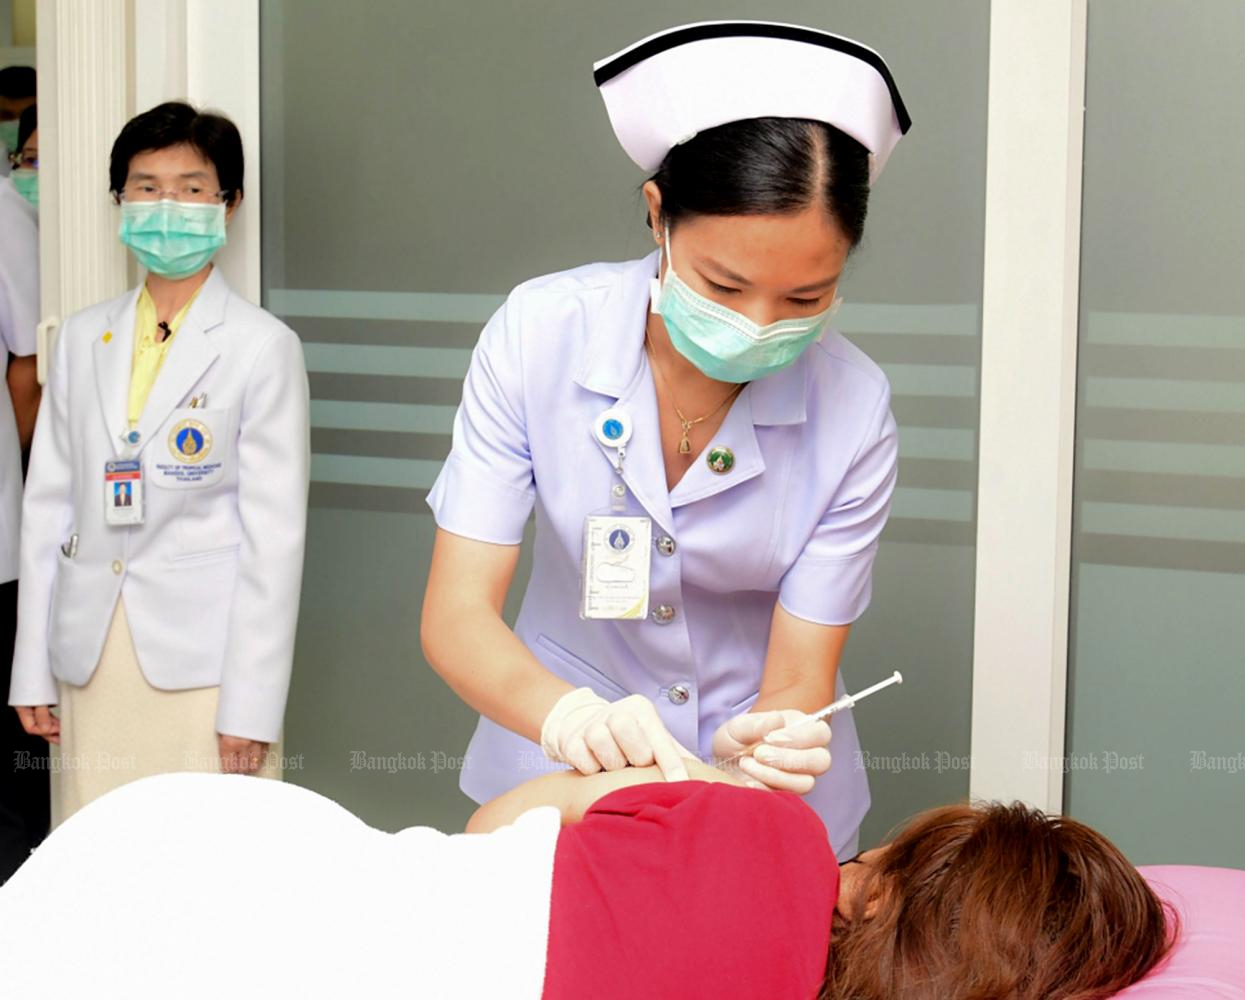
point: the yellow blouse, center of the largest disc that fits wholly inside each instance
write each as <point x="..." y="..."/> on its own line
<point x="148" y="355"/>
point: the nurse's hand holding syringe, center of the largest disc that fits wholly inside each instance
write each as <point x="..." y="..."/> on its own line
<point x="823" y="714"/>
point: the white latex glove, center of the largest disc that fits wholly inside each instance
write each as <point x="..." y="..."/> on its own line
<point x="592" y="734"/>
<point x="790" y="760"/>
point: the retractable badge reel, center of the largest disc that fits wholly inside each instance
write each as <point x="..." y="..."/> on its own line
<point x="617" y="547"/>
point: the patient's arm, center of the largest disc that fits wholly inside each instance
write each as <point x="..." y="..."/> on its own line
<point x="572" y="793"/>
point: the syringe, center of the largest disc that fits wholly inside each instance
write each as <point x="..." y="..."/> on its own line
<point x="847" y="701"/>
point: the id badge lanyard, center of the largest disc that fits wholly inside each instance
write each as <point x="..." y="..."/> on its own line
<point x="614" y="575"/>
<point x="123" y="485"/>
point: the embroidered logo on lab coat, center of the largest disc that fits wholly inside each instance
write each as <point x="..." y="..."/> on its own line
<point x="190" y="441"/>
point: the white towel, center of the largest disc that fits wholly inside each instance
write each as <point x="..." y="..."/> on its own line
<point x="224" y="886"/>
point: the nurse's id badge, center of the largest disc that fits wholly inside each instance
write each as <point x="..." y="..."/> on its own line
<point x="616" y="566"/>
<point x="123" y="491"/>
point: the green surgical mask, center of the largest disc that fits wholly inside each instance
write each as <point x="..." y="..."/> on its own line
<point x="724" y="344"/>
<point x="27" y="183"/>
<point x="173" y="239"/>
<point x="8" y="135"/>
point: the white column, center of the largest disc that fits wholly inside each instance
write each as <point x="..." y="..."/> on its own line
<point x="82" y="106"/>
<point x="1028" y="398"/>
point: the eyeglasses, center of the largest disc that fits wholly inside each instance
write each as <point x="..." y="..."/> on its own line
<point x="27" y="161"/>
<point x="186" y="192"/>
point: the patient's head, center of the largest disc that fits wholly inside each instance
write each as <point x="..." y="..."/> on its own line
<point x="994" y="902"/>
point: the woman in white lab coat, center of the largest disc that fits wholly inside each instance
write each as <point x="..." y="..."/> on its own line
<point x="165" y="509"/>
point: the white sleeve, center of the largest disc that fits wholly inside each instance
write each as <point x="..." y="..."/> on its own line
<point x="274" y="469"/>
<point x="47" y="518"/>
<point x="19" y="283"/>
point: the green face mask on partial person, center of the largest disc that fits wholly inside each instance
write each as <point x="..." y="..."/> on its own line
<point x="27" y="183"/>
<point x="173" y="239"/>
<point x="8" y="135"/>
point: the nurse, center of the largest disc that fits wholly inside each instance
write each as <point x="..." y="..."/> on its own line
<point x="165" y="506"/>
<point x="710" y="463"/>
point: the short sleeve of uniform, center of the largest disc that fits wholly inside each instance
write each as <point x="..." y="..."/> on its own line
<point x="485" y="489"/>
<point x="691" y="889"/>
<point x="831" y="581"/>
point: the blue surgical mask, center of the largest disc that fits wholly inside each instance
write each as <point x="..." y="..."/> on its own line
<point x="27" y="183"/>
<point x="724" y="344"/>
<point x="173" y="239"/>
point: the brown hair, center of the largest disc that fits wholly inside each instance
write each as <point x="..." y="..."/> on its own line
<point x="998" y="902"/>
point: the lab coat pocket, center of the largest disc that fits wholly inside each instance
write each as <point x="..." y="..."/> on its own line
<point x="83" y="596"/>
<point x="193" y="449"/>
<point x="580" y="671"/>
<point x="60" y="583"/>
<point x="222" y="553"/>
<point x="196" y="608"/>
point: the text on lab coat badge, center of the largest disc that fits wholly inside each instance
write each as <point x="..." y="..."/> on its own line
<point x="189" y="459"/>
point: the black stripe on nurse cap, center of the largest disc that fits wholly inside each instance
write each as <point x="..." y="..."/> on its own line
<point x="665" y="88"/>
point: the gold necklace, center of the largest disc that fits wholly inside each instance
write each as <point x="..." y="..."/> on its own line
<point x="685" y="443"/>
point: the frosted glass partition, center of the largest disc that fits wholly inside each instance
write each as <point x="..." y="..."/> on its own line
<point x="416" y="167"/>
<point x="1156" y="736"/>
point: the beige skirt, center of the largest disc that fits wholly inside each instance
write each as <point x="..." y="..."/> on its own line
<point x="117" y="728"/>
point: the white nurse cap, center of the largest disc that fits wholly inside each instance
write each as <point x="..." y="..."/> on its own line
<point x="666" y="88"/>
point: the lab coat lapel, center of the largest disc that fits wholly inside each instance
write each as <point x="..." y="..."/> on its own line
<point x="190" y="355"/>
<point x="113" y="354"/>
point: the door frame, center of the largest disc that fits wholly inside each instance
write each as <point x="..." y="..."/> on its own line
<point x="1030" y="294"/>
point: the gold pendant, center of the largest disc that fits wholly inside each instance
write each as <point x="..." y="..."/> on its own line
<point x="685" y="446"/>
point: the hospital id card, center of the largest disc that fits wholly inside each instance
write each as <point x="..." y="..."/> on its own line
<point x="616" y="566"/>
<point x="123" y="492"/>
